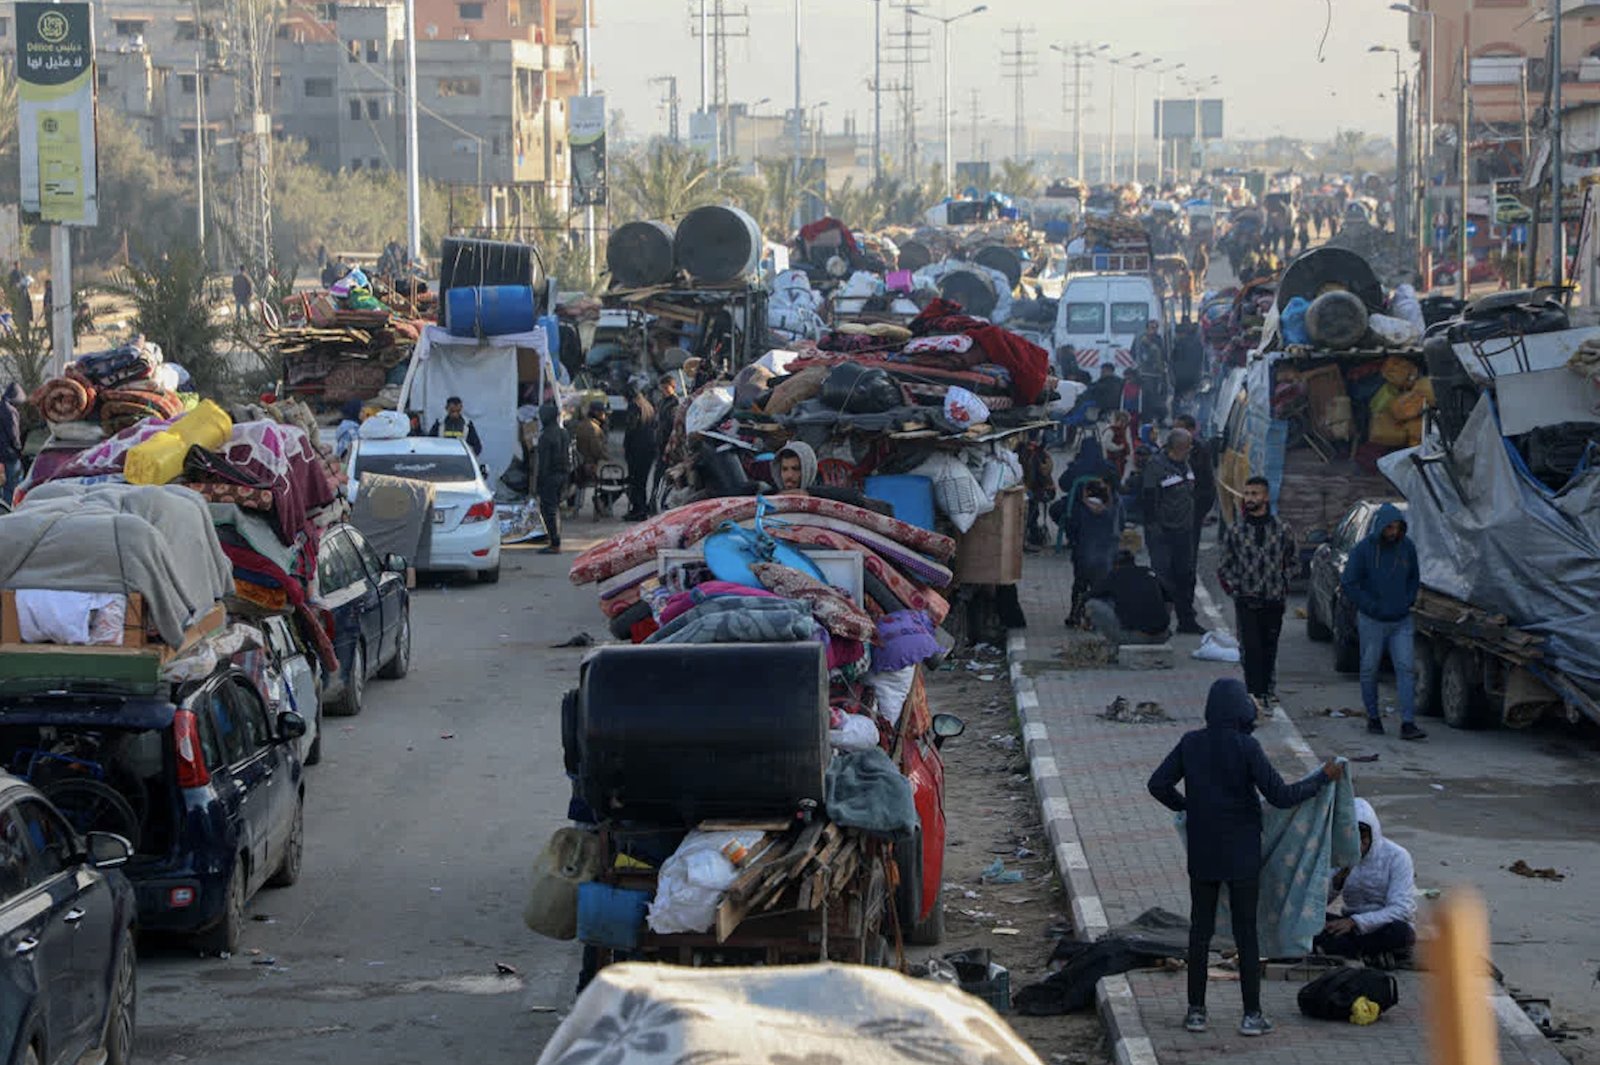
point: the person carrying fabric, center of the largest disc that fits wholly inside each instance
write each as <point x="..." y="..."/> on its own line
<point x="1129" y="605"/>
<point x="11" y="440"/>
<point x="1381" y="579"/>
<point x="1380" y="906"/>
<point x="458" y="425"/>
<point x="639" y="449"/>
<point x="553" y="458"/>
<point x="1094" y="521"/>
<point x="1167" y="504"/>
<point x="1223" y="769"/>
<point x="1258" y="555"/>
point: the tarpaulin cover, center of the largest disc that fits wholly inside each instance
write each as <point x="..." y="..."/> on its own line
<point x="1505" y="542"/>
<point x="156" y="540"/>
<point x="393" y="514"/>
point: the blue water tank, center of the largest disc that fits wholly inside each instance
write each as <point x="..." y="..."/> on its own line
<point x="490" y="310"/>
<point x="611" y="916"/>
<point x="910" y="494"/>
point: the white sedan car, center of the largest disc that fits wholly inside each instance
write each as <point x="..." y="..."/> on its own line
<point x="466" y="532"/>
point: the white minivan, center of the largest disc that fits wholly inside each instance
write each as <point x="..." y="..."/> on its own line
<point x="1101" y="315"/>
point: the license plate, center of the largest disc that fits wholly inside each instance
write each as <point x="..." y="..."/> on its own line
<point x="438" y="517"/>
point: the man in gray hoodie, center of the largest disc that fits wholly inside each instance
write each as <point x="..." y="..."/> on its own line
<point x="1380" y="908"/>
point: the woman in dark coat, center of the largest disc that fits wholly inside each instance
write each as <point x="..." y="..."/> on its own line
<point x="1223" y="767"/>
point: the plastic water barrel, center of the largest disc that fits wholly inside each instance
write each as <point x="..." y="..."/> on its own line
<point x="466" y="262"/>
<point x="718" y="244"/>
<point x="999" y="257"/>
<point x="611" y="916"/>
<point x="640" y="254"/>
<point x="493" y="310"/>
<point x="914" y="255"/>
<point x="910" y="494"/>
<point x="974" y="291"/>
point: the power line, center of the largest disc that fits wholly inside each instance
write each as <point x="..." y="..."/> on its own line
<point x="1019" y="64"/>
<point x="909" y="47"/>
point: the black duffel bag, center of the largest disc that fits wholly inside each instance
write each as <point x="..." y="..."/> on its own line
<point x="1330" y="996"/>
<point x="854" y="389"/>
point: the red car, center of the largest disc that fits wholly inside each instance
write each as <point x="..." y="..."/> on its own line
<point x="921" y="859"/>
<point x="1481" y="271"/>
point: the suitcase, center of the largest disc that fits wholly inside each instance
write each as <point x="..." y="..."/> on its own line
<point x="676" y="734"/>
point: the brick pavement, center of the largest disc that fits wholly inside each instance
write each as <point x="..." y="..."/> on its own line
<point x="1119" y="854"/>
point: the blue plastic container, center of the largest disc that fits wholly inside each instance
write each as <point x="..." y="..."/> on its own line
<point x="910" y="494"/>
<point x="611" y="917"/>
<point x="492" y="310"/>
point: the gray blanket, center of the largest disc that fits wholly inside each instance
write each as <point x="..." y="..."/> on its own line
<point x="867" y="791"/>
<point x="156" y="540"/>
<point x="395" y="515"/>
<point x="740" y="619"/>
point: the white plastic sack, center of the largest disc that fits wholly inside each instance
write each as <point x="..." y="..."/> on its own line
<point x="893" y="689"/>
<point x="955" y="489"/>
<point x="1217" y="647"/>
<point x="708" y="410"/>
<point x="692" y="881"/>
<point x="858" y="733"/>
<point x="386" y="425"/>
<point x="862" y="285"/>
<point x="963" y="409"/>
<point x="777" y="360"/>
<point x="1404" y="305"/>
<point x="78" y="618"/>
<point x="1394" y="332"/>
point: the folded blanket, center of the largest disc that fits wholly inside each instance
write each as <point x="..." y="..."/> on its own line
<point x="739" y="619"/>
<point x="121" y="408"/>
<point x="115" y="368"/>
<point x="63" y="399"/>
<point x="829" y="605"/>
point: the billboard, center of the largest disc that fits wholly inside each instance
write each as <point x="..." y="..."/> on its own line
<point x="56" y="112"/>
<point x="586" y="135"/>
<point x="1176" y="119"/>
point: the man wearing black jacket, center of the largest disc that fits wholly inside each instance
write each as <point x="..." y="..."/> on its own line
<point x="554" y="455"/>
<point x="1167" y="506"/>
<point x="1130" y="605"/>
<point x="639" y="448"/>
<point x="1258" y="555"/>
<point x="1205" y="477"/>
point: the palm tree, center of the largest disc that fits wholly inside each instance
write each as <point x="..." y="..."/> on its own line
<point x="863" y="208"/>
<point x="786" y="193"/>
<point x="669" y="180"/>
<point x="1019" y="179"/>
<point x="173" y="308"/>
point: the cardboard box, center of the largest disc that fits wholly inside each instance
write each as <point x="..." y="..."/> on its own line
<point x="991" y="551"/>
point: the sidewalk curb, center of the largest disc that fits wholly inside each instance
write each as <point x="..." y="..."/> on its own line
<point x="1119" y="1011"/>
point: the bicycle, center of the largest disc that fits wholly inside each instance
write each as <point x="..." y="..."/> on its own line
<point x="77" y="787"/>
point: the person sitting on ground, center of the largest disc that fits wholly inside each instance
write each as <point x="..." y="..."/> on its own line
<point x="456" y="424"/>
<point x="1130" y="605"/>
<point x="1380" y="907"/>
<point x="1094" y="520"/>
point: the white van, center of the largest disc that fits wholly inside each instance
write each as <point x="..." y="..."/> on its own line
<point x="1101" y="315"/>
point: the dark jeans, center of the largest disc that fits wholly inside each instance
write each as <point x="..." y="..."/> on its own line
<point x="1200" y="522"/>
<point x="1391" y="938"/>
<point x="551" y="489"/>
<point x="1172" y="557"/>
<point x="639" y="483"/>
<point x="1242" y="898"/>
<point x="1260" y="625"/>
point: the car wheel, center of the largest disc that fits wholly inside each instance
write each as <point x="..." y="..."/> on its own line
<point x="289" y="871"/>
<point x="1425" y="679"/>
<point x="490" y="575"/>
<point x="1316" y="631"/>
<point x="400" y="664"/>
<point x="124" y="999"/>
<point x="1461" y="695"/>
<point x="224" y="938"/>
<point x="354" y="694"/>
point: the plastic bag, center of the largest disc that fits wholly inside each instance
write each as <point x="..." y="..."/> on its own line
<point x="1405" y="305"/>
<point x="1217" y="647"/>
<point x="854" y="389"/>
<point x="1292" y="322"/>
<point x="892" y="690"/>
<point x="692" y="881"/>
<point x="386" y="425"/>
<point x="963" y="409"/>
<point x="857" y="733"/>
<point x="955" y="489"/>
<point x="708" y="410"/>
<point x="1394" y="332"/>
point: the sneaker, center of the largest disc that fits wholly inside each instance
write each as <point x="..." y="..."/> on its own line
<point x="1375" y="726"/>
<point x="549" y="550"/>
<point x="1408" y="731"/>
<point x="1254" y="1024"/>
<point x="1195" y="1019"/>
<point x="1272" y="701"/>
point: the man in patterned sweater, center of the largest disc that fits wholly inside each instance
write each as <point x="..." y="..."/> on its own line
<point x="1258" y="555"/>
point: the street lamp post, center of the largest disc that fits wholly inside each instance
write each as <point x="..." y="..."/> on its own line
<point x="1425" y="154"/>
<point x="946" y="21"/>
<point x="1161" y="106"/>
<point x="1401" y="221"/>
<point x="1111" y="147"/>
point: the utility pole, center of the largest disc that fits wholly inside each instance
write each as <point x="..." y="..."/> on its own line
<point x="908" y="47"/>
<point x="877" y="90"/>
<point x="973" y="96"/>
<point x="671" y="102"/>
<point x="1019" y="64"/>
<point x="1465" y="138"/>
<point x="705" y="64"/>
<point x="1558" y="233"/>
<point x="1073" y="102"/>
<point x="200" y="150"/>
<point x="714" y="34"/>
<point x="413" y="149"/>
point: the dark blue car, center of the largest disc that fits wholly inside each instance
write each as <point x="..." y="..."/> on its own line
<point x="367" y="611"/>
<point x="203" y="781"/>
<point x="67" y="918"/>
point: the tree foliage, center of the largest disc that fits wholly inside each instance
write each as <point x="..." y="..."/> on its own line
<point x="666" y="181"/>
<point x="25" y="349"/>
<point x="173" y="308"/>
<point x="1019" y="179"/>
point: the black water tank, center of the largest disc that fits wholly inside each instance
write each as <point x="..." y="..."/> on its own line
<point x="914" y="255"/>
<point x="718" y="244"/>
<point x="639" y="254"/>
<point x="999" y="257"/>
<point x="678" y="733"/>
<point x="465" y="263"/>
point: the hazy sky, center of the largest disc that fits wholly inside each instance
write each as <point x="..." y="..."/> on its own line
<point x="1267" y="55"/>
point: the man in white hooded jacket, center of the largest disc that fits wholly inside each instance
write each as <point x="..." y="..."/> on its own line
<point x="1380" y="908"/>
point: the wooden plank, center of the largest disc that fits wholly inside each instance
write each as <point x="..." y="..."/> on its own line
<point x="776" y="825"/>
<point x="1460" y="1017"/>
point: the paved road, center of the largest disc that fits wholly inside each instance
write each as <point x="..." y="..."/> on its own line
<point x="1467" y="805"/>
<point x="417" y="856"/>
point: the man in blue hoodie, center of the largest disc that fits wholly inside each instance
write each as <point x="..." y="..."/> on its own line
<point x="1223" y="767"/>
<point x="1381" y="579"/>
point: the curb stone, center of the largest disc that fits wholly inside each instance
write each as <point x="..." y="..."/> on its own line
<point x="1118" y="1008"/>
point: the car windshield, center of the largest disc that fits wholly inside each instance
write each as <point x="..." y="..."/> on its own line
<point x="436" y="468"/>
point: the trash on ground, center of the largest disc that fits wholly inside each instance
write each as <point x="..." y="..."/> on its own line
<point x="1143" y="713"/>
<point x="582" y="639"/>
<point x="997" y="873"/>
<point x="1522" y="868"/>
<point x="1005" y="931"/>
<point x="265" y="961"/>
<point x="505" y="970"/>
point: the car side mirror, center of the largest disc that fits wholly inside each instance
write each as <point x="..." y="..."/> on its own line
<point x="946" y="727"/>
<point x="291" y="726"/>
<point x="394" y="563"/>
<point x="107" y="850"/>
<point x="483" y="469"/>
<point x="1317" y="536"/>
